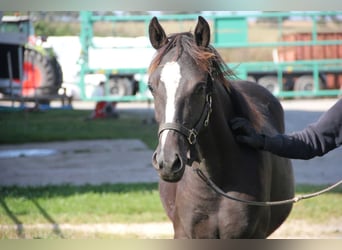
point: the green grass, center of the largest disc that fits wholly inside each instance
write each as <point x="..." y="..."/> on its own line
<point x="117" y="203"/>
<point x="123" y="203"/>
<point x="319" y="209"/>
<point x="112" y="203"/>
<point x="62" y="125"/>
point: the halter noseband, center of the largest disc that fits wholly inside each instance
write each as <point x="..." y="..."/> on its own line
<point x="191" y="134"/>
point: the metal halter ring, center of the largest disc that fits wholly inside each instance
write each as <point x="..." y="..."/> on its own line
<point x="192" y="137"/>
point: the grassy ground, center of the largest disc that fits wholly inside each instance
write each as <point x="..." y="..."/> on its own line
<point x="63" y="125"/>
<point x="125" y="203"/>
<point x="117" y="203"/>
<point x="112" y="204"/>
<point x="121" y="203"/>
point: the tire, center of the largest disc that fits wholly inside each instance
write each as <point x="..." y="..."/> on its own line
<point x="270" y="83"/>
<point x="305" y="82"/>
<point x="58" y="73"/>
<point x="40" y="75"/>
<point x="120" y="87"/>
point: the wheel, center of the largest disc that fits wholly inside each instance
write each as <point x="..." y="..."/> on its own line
<point x="40" y="75"/>
<point x="58" y="72"/>
<point x="270" y="83"/>
<point x="305" y="83"/>
<point x="120" y="86"/>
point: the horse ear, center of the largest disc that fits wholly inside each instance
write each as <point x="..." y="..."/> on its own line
<point x="157" y="34"/>
<point x="202" y="32"/>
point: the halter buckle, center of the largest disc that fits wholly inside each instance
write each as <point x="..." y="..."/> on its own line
<point x="192" y="136"/>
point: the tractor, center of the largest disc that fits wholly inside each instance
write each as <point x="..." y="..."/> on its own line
<point x="40" y="74"/>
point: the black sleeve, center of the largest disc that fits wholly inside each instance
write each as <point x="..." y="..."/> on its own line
<point x="315" y="140"/>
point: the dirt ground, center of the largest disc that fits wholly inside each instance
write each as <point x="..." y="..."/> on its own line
<point x="124" y="161"/>
<point x="294" y="229"/>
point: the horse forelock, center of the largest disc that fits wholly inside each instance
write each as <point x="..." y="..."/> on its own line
<point x="207" y="59"/>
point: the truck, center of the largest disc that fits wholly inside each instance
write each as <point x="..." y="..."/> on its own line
<point x="300" y="62"/>
<point x="29" y="68"/>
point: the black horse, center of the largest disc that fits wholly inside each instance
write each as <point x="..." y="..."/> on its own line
<point x="195" y="97"/>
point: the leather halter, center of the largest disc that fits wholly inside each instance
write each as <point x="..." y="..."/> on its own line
<point x="192" y="133"/>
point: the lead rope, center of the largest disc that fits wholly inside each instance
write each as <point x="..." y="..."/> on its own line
<point x="219" y="191"/>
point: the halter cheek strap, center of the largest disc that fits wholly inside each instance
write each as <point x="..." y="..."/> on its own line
<point x="191" y="134"/>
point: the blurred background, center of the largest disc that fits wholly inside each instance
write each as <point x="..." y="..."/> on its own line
<point x="77" y="126"/>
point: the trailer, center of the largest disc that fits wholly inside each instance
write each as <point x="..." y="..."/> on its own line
<point x="305" y="62"/>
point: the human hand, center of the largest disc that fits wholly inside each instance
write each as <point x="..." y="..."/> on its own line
<point x="246" y="134"/>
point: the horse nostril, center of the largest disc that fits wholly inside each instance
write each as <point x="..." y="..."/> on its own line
<point x="155" y="162"/>
<point x="177" y="164"/>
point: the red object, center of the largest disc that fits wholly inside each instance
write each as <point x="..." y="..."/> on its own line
<point x="104" y="109"/>
<point x="307" y="52"/>
<point x="32" y="79"/>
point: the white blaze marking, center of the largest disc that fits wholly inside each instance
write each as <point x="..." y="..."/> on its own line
<point x="171" y="76"/>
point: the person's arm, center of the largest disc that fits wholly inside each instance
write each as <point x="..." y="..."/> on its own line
<point x="315" y="140"/>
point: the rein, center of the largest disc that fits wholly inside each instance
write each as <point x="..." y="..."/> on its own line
<point x="219" y="191"/>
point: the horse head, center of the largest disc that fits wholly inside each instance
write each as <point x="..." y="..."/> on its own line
<point x="180" y="82"/>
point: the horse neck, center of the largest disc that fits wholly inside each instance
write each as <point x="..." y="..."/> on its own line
<point x="217" y="145"/>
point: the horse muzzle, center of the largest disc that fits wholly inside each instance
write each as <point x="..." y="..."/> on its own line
<point x="170" y="166"/>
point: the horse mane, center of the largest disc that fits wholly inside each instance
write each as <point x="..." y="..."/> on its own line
<point x="247" y="108"/>
<point x="209" y="60"/>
